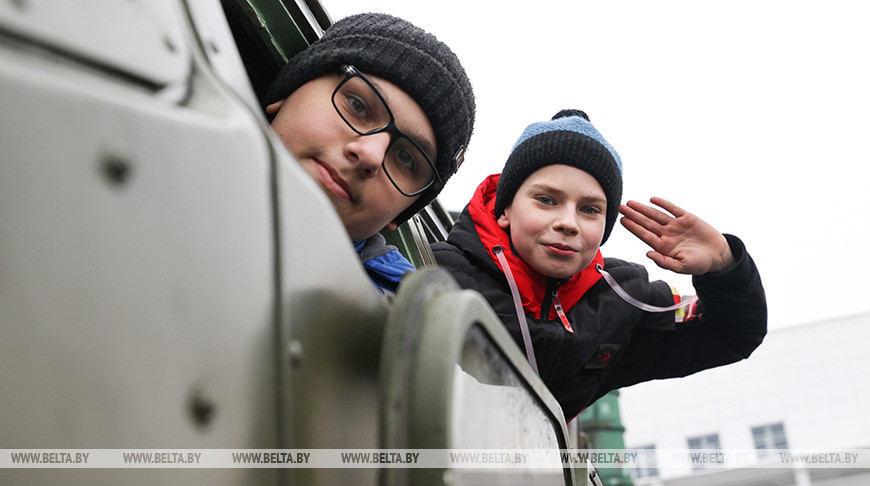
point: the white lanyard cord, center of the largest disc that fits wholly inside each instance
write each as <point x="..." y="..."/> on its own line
<point x="518" y="306"/>
<point x="521" y="315"/>
<point x="640" y="305"/>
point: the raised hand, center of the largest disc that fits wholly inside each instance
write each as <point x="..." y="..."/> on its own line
<point x="680" y="241"/>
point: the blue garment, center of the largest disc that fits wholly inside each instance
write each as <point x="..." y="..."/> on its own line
<point x="383" y="262"/>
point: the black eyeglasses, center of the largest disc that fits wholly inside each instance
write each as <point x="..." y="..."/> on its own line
<point x="365" y="111"/>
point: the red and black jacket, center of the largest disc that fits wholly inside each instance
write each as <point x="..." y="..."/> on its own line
<point x="607" y="343"/>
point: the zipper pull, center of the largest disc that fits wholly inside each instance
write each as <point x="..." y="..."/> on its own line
<point x="561" y="314"/>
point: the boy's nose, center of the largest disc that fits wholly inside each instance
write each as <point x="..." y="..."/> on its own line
<point x="566" y="222"/>
<point x="368" y="151"/>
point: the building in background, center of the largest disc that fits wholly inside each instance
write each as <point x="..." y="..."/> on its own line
<point x="603" y="429"/>
<point x="805" y="388"/>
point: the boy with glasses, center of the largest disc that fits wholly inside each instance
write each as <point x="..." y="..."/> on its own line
<point x="379" y="113"/>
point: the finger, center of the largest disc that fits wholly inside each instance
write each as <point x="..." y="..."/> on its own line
<point x="665" y="262"/>
<point x="668" y="206"/>
<point x="639" y="219"/>
<point x="659" y="259"/>
<point x="652" y="213"/>
<point x="641" y="232"/>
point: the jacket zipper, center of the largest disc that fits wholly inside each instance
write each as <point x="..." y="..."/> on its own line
<point x="561" y="313"/>
<point x="547" y="301"/>
<point x="552" y="299"/>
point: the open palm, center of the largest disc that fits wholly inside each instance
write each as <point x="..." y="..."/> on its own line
<point x="680" y="241"/>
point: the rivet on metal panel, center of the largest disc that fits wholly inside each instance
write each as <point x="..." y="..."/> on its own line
<point x="294" y="352"/>
<point x="115" y="169"/>
<point x="201" y="408"/>
<point x="170" y="46"/>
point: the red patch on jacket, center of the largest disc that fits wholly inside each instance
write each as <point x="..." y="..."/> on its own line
<point x="602" y="357"/>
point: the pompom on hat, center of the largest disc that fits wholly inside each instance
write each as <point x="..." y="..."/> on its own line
<point x="407" y="56"/>
<point x="570" y="139"/>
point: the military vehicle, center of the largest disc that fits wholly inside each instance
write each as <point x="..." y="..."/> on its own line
<point x="171" y="280"/>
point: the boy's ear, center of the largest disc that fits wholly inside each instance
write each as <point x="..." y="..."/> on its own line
<point x="503" y="221"/>
<point x="274" y="107"/>
<point x="391" y="226"/>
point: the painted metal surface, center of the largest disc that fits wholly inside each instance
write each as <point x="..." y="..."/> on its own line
<point x="171" y="278"/>
<point x="141" y="39"/>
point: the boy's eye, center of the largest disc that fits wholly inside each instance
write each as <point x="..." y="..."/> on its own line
<point x="406" y="158"/>
<point x="357" y="106"/>
<point x="590" y="210"/>
<point x="545" y="200"/>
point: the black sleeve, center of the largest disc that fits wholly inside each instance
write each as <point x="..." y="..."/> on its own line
<point x="732" y="323"/>
<point x="453" y="260"/>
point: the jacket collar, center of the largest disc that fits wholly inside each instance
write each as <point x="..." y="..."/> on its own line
<point x="383" y="263"/>
<point x="531" y="284"/>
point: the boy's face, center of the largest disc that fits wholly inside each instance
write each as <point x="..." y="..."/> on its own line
<point x="346" y="165"/>
<point x="557" y="220"/>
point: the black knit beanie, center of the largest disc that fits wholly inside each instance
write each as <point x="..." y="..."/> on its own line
<point x="408" y="57"/>
<point x="570" y="139"/>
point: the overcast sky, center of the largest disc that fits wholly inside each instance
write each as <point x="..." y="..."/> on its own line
<point x="753" y="115"/>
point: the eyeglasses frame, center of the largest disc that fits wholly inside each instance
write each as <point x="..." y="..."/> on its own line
<point x="391" y="128"/>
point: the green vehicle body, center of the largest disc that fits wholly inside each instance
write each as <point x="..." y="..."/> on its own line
<point x="171" y="279"/>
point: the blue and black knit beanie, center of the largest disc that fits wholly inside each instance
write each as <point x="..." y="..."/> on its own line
<point x="570" y="139"/>
<point x="407" y="56"/>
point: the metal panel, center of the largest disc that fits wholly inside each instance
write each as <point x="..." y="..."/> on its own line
<point x="142" y="39"/>
<point x="331" y="325"/>
<point x="136" y="273"/>
<point x="454" y="379"/>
